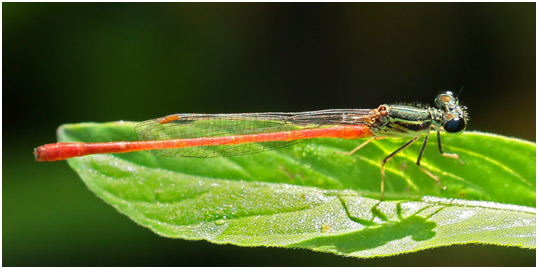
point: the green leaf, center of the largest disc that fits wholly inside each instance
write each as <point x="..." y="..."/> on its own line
<point x="310" y="196"/>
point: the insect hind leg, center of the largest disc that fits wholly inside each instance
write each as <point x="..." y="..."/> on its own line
<point x="361" y="145"/>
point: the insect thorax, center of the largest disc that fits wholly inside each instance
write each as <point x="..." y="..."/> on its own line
<point x="404" y="121"/>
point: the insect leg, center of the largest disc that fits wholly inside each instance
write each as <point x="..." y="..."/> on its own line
<point x="390" y="157"/>
<point x="362" y="145"/>
<point x="449" y="155"/>
<point x="424" y="169"/>
<point x="359" y="146"/>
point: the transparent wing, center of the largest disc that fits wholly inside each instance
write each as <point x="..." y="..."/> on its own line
<point x="187" y="126"/>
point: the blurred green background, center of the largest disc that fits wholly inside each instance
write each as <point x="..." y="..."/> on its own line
<point x="79" y="62"/>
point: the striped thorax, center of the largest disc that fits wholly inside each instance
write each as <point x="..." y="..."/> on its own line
<point x="413" y="121"/>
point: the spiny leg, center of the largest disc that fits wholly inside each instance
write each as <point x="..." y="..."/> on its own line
<point x="390" y="157"/>
<point x="424" y="169"/>
<point x="449" y="155"/>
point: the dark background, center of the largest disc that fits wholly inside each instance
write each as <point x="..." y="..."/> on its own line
<point x="71" y="62"/>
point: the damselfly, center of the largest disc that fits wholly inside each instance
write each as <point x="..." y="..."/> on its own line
<point x="225" y="135"/>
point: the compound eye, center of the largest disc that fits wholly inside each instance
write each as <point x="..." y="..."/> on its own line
<point x="446" y="93"/>
<point x="455" y="125"/>
<point x="444" y="99"/>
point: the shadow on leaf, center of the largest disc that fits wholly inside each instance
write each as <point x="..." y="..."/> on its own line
<point x="418" y="228"/>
